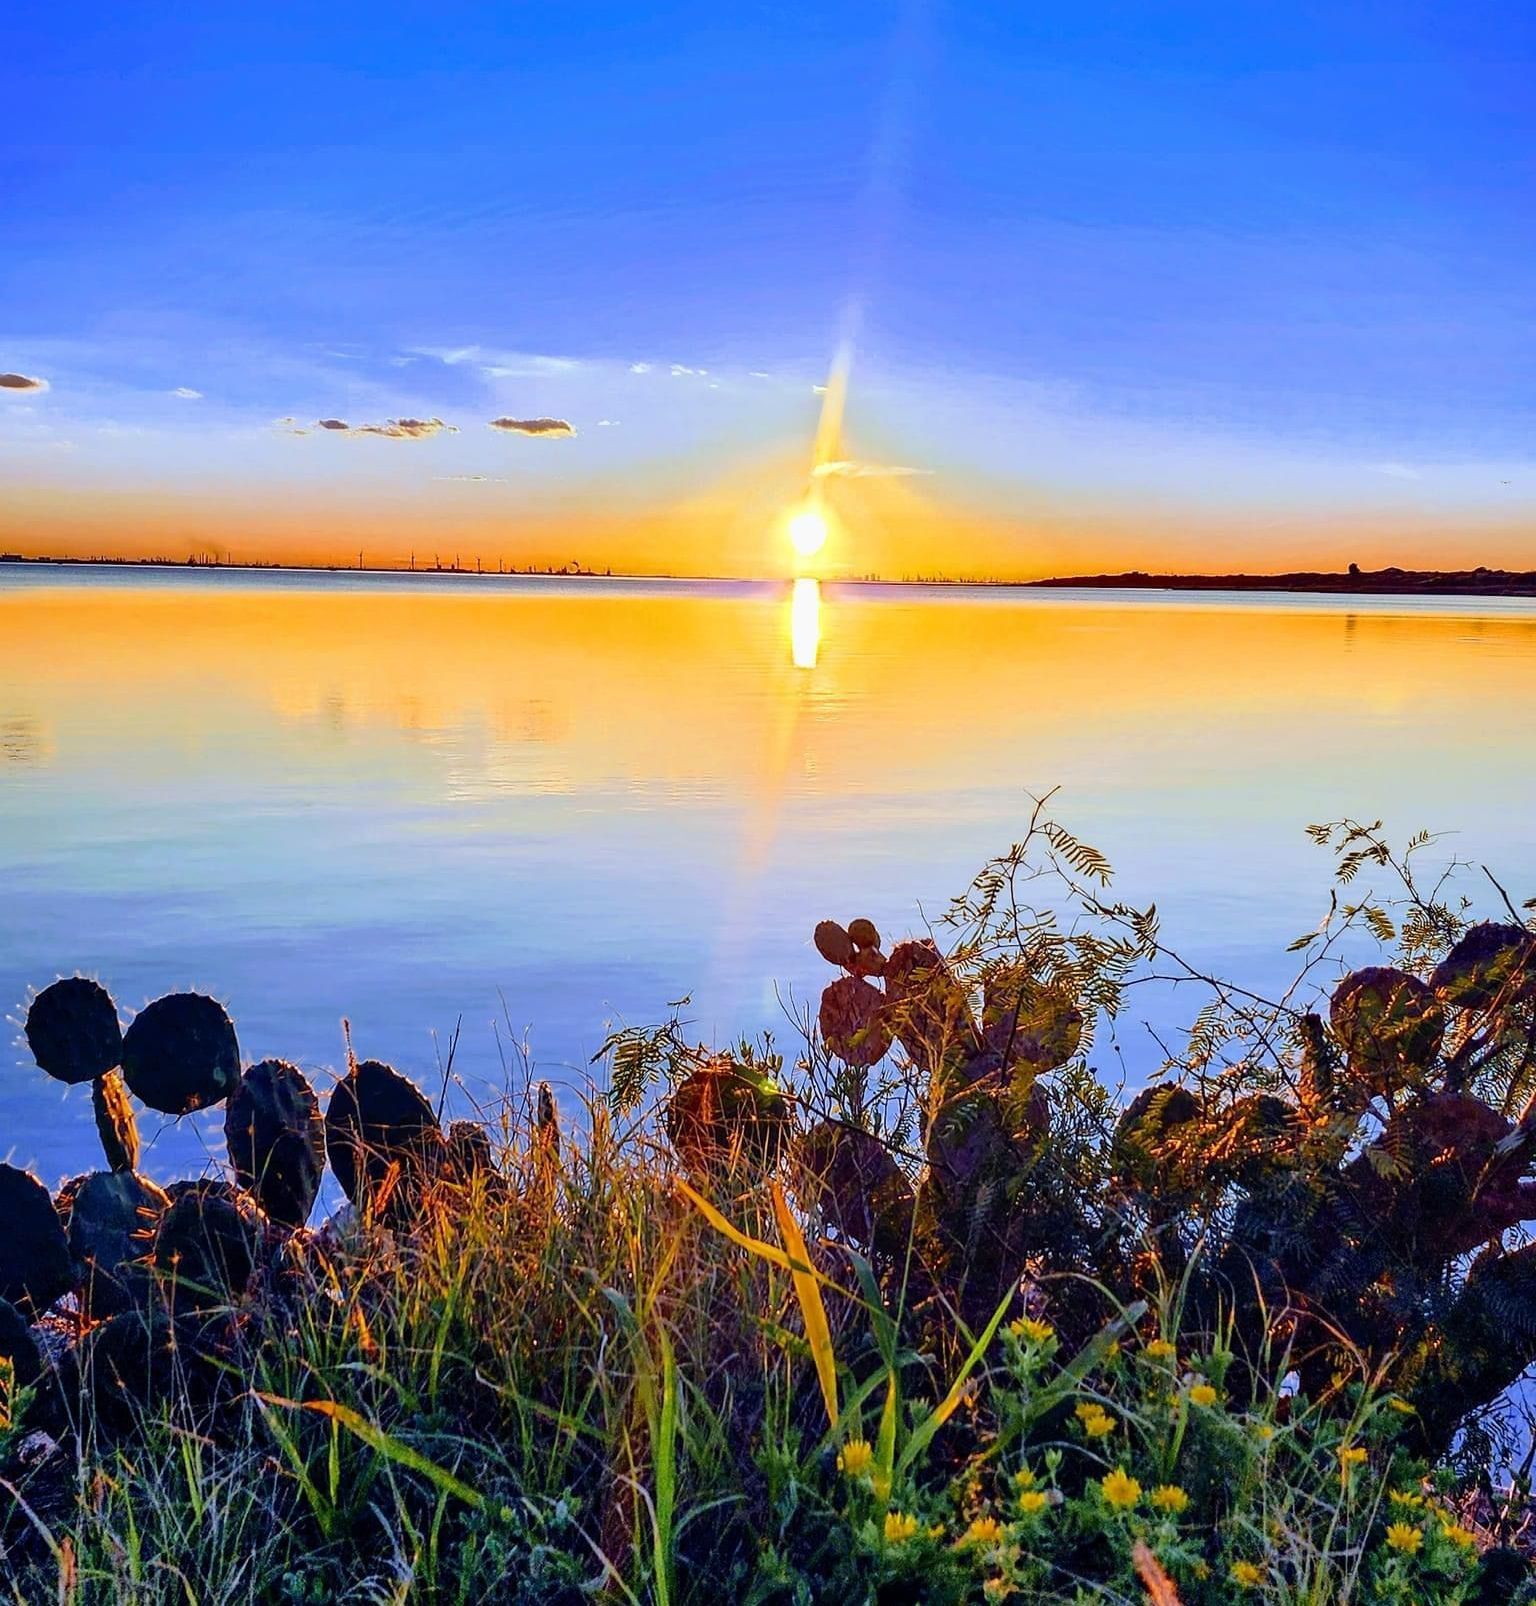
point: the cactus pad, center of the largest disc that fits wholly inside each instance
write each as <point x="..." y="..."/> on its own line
<point x="35" y="1267"/>
<point x="1491" y="962"/>
<point x="379" y="1129"/>
<point x="833" y="943"/>
<point x="73" y="1031"/>
<point x="1389" y="1023"/>
<point x="858" y="1187"/>
<point x="724" y="1112"/>
<point x="852" y="1021"/>
<point x="180" y="1054"/>
<point x="18" y="1346"/>
<point x="204" y="1246"/>
<point x="276" y="1140"/>
<point x="111" y="1218"/>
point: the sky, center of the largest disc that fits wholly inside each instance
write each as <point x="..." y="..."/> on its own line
<point x="1184" y="286"/>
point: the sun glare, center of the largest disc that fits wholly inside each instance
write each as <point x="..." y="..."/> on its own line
<point x="808" y="532"/>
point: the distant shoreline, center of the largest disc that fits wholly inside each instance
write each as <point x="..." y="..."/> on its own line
<point x="1389" y="582"/>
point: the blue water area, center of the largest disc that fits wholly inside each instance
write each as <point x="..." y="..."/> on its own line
<point x="527" y="810"/>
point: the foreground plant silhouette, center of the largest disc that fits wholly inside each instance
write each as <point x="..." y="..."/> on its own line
<point x="925" y="1316"/>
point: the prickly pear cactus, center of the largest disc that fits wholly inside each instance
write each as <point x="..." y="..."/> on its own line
<point x="727" y="1113"/>
<point x="1490" y="964"/>
<point x="72" y="1030"/>
<point x="18" y="1346"/>
<point x="468" y="1150"/>
<point x="180" y="1054"/>
<point x="204" y="1246"/>
<point x="35" y="1264"/>
<point x="859" y="1189"/>
<point x="116" y="1124"/>
<point x="276" y="1140"/>
<point x="111" y="1218"/>
<point x="383" y="1140"/>
<point x="1389" y="1024"/>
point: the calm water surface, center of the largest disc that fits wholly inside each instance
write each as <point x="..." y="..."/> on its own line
<point x="561" y="804"/>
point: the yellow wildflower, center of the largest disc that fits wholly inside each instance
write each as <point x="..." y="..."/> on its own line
<point x="1033" y="1501"/>
<point x="1112" y="1350"/>
<point x="982" y="1531"/>
<point x="1161" y="1350"/>
<point x="1024" y="1479"/>
<point x="1171" y="1498"/>
<point x="1028" y="1330"/>
<point x="1263" y="1432"/>
<point x="997" y="1589"/>
<point x="1120" y="1490"/>
<point x="899" y="1527"/>
<point x="855" y="1458"/>
<point x="1203" y="1394"/>
<point x="1247" y="1574"/>
<point x="1405" y="1537"/>
<point x="1097" y="1422"/>
<point x="1457" y="1534"/>
<point x="1406" y="1497"/>
<point x="1351" y="1455"/>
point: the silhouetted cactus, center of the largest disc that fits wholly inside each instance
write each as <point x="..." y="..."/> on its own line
<point x="859" y="1189"/>
<point x="35" y="1266"/>
<point x="927" y="1011"/>
<point x="1390" y="1025"/>
<point x="1489" y="964"/>
<point x="833" y="943"/>
<point x="724" y="1112"/>
<point x="1141" y="1155"/>
<point x="125" y="1365"/>
<point x="852" y="1021"/>
<point x="111" y="1219"/>
<point x="204" y="1245"/>
<point x="116" y="1125"/>
<point x="73" y="1031"/>
<point x="469" y="1150"/>
<point x="180" y="1054"/>
<point x="383" y="1139"/>
<point x="276" y="1140"/>
<point x="19" y="1347"/>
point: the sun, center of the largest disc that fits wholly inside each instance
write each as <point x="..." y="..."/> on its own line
<point x="808" y="532"/>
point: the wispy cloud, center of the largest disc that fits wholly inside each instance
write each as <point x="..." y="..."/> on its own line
<point x="1395" y="471"/>
<point x="639" y="368"/>
<point x="607" y="423"/>
<point x="186" y="393"/>
<point x="22" y="382"/>
<point x="681" y="371"/>
<point x="471" y="479"/>
<point x="531" y="426"/>
<point x="394" y="429"/>
<point x="494" y="364"/>
<point x="847" y="469"/>
<point x="408" y="428"/>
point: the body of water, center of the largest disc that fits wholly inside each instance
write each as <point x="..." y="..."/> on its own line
<point x="552" y="805"/>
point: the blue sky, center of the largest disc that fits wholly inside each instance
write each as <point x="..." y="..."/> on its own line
<point x="1112" y="261"/>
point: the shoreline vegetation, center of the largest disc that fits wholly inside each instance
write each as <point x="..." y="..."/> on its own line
<point x="922" y="1312"/>
<point x="1387" y="582"/>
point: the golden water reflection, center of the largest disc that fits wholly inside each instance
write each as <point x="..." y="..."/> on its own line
<point x="395" y="801"/>
<point x="805" y="623"/>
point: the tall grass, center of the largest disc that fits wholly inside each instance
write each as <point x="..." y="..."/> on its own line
<point x="584" y="1376"/>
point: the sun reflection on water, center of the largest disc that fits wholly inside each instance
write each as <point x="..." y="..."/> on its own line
<point x="805" y="622"/>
